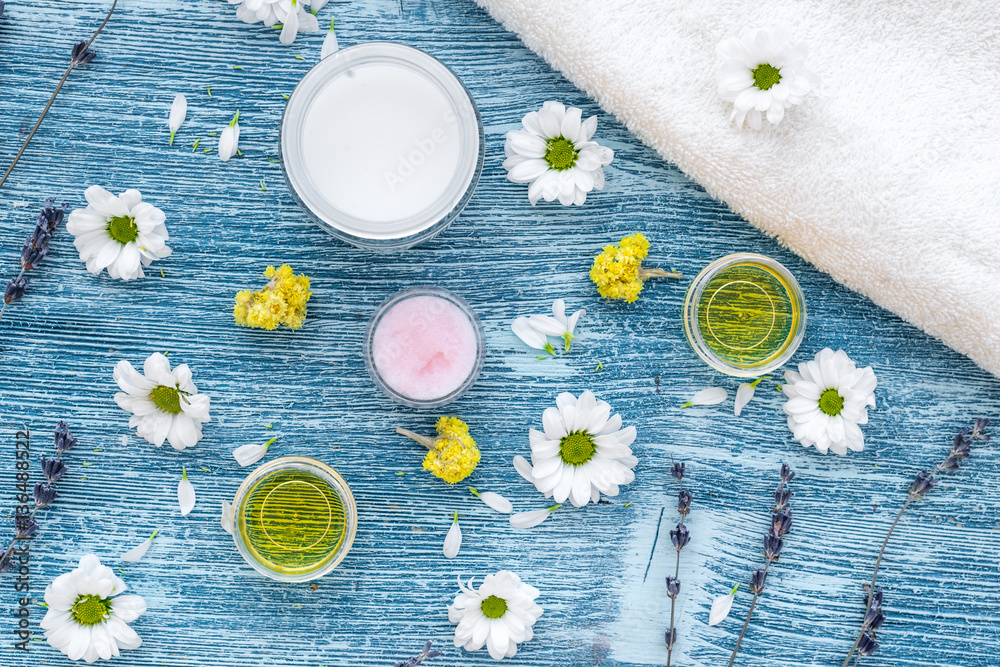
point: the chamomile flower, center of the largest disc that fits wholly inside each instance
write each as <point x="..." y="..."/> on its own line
<point x="582" y="451"/>
<point x="119" y="233"/>
<point x="499" y="614"/>
<point x="827" y="402"/>
<point x="554" y="153"/>
<point x="618" y="272"/>
<point x="87" y="619"/>
<point x="165" y="404"/>
<point x="763" y="74"/>
<point x="453" y="454"/>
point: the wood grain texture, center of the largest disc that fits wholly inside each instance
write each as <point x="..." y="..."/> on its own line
<point x="207" y="607"/>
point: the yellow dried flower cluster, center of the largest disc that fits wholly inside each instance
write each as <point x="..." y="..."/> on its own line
<point x="281" y="302"/>
<point x="455" y="454"/>
<point x="616" y="271"/>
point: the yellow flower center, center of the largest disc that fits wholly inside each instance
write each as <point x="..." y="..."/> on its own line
<point x="560" y="153"/>
<point x="765" y="76"/>
<point x="493" y="607"/>
<point x="831" y="402"/>
<point x="123" y="229"/>
<point x="90" y="609"/>
<point x="577" y="448"/>
<point x="166" y="398"/>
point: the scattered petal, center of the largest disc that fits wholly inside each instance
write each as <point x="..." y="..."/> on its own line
<point x="453" y="541"/>
<point x="710" y="396"/>
<point x="185" y="494"/>
<point x="227" y="517"/>
<point x="531" y="519"/>
<point x="744" y="393"/>
<point x="721" y="606"/>
<point x="494" y="500"/>
<point x="178" y="112"/>
<point x="523" y="468"/>
<point x="250" y="454"/>
<point x="138" y="552"/>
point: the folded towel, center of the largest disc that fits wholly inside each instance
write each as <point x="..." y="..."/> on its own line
<point x="887" y="177"/>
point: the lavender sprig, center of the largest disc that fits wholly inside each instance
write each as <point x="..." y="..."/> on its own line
<point x="34" y="249"/>
<point x="43" y="494"/>
<point x="679" y="537"/>
<point x="922" y="484"/>
<point x="80" y="55"/>
<point x="781" y="525"/>
<point x="426" y="654"/>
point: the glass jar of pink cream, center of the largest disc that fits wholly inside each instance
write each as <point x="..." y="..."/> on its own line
<point x="425" y="347"/>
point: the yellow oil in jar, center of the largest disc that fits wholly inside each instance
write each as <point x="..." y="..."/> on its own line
<point x="292" y="521"/>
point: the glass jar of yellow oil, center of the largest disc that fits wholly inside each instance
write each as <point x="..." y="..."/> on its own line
<point x="294" y="519"/>
<point x="745" y="315"/>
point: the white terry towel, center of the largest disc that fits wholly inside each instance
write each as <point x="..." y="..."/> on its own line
<point x="887" y="177"/>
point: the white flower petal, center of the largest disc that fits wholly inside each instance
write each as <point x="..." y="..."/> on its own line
<point x="743" y="396"/>
<point x="453" y="541"/>
<point x="495" y="501"/>
<point x="229" y="141"/>
<point x="721" y="606"/>
<point x="185" y="495"/>
<point x="529" y="519"/>
<point x="710" y="396"/>
<point x="523" y="468"/>
<point x="249" y="454"/>
<point x="528" y="334"/>
<point x="178" y="112"/>
<point x="227" y="517"/>
<point x="140" y="550"/>
<point x="330" y="45"/>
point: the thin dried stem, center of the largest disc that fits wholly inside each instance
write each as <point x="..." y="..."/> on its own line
<point x="746" y="623"/>
<point x="48" y="105"/>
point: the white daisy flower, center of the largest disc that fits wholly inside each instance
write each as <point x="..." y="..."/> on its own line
<point x="554" y="153"/>
<point x="178" y="112"/>
<point x="165" y="404"/>
<point x="290" y="13"/>
<point x="499" y="614"/>
<point x="710" y="396"/>
<point x="121" y="234"/>
<point x="229" y="139"/>
<point x="453" y="540"/>
<point x="558" y="325"/>
<point x="85" y="619"/>
<point x="827" y="400"/>
<point x="762" y="75"/>
<point x="583" y="451"/>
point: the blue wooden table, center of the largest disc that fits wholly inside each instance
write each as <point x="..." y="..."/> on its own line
<point x="600" y="575"/>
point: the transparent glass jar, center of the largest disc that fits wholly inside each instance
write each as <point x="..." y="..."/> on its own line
<point x="294" y="519"/>
<point x="382" y="145"/>
<point x="745" y="315"/>
<point x="422" y="334"/>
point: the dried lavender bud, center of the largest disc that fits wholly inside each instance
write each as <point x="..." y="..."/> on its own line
<point x="757" y="580"/>
<point x="678" y="471"/>
<point x="981" y="424"/>
<point x="34" y="249"/>
<point x="873" y="620"/>
<point x="876" y="603"/>
<point x="53" y="469"/>
<point x="81" y="54"/>
<point x="772" y="547"/>
<point x="419" y="659"/>
<point x="673" y="587"/>
<point x="44" y="495"/>
<point x="7" y="557"/>
<point x="670" y="636"/>
<point x="781" y="523"/>
<point x="24" y="526"/>
<point x="679" y="536"/>
<point x="683" y="501"/>
<point x="867" y="645"/>
<point x="923" y="484"/>
<point x="951" y="464"/>
<point x="781" y="497"/>
<point x="50" y="215"/>
<point x="64" y="439"/>
<point x="1" y="14"/>
<point x="786" y="473"/>
<point x="15" y="289"/>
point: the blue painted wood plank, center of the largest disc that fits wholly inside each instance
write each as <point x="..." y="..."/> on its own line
<point x="206" y="607"/>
